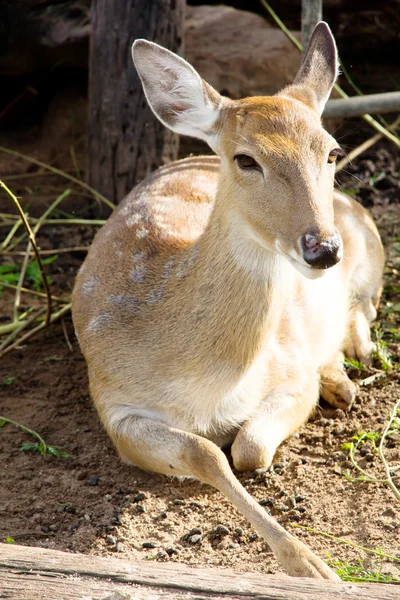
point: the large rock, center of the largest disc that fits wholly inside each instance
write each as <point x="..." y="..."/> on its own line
<point x="238" y="52"/>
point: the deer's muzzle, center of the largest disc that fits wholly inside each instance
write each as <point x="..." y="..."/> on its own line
<point x="321" y="253"/>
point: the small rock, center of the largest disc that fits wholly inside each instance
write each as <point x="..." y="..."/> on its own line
<point x="119" y="547"/>
<point x="301" y="509"/>
<point x="87" y="517"/>
<point x="337" y="470"/>
<point x="195" y="539"/>
<point x="161" y="555"/>
<point x="45" y="528"/>
<point x="140" y="508"/>
<point x="93" y="480"/>
<point x="221" y="530"/>
<point x="253" y="537"/>
<point x="238" y="532"/>
<point x="171" y="551"/>
<point x="110" y="539"/>
<point x="53" y="527"/>
<point x="179" y="502"/>
<point x="299" y="498"/>
<point x="164" y="515"/>
<point x="195" y="504"/>
<point x="148" y="545"/>
<point x="140" y="497"/>
<point x="108" y="497"/>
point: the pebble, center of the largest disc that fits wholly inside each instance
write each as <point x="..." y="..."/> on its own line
<point x="119" y="547"/>
<point x="171" y="551"/>
<point x="221" y="530"/>
<point x="299" y="498"/>
<point x="164" y="515"/>
<point x="148" y="545"/>
<point x="140" y="497"/>
<point x="195" y="539"/>
<point x="110" y="539"/>
<point x="108" y="497"/>
<point x="179" y="502"/>
<point x="140" y="508"/>
<point x="53" y="527"/>
<point x="93" y="480"/>
<point x="337" y="470"/>
<point x="253" y="537"/>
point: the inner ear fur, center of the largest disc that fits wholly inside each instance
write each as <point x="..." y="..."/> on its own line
<point x="318" y="71"/>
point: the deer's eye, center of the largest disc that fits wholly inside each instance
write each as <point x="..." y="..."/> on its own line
<point x="247" y="162"/>
<point x="333" y="154"/>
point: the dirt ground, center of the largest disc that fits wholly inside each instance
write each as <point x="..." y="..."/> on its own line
<point x="90" y="502"/>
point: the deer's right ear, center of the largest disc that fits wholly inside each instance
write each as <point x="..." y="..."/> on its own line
<point x="176" y="93"/>
<point x="318" y="71"/>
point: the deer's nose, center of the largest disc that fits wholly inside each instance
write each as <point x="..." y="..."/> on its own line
<point x="321" y="253"/>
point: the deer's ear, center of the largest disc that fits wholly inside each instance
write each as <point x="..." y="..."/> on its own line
<point x="176" y="93"/>
<point x="318" y="71"/>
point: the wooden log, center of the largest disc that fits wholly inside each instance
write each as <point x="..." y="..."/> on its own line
<point x="311" y="14"/>
<point x="361" y="105"/>
<point x="125" y="140"/>
<point x="35" y="573"/>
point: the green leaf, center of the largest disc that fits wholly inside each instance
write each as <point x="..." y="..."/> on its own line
<point x="9" y="540"/>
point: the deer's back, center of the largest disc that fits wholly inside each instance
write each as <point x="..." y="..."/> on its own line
<point x="150" y="238"/>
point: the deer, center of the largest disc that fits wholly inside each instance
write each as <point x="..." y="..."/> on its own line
<point x="218" y="301"/>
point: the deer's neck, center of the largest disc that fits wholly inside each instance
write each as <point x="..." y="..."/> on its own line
<point x="241" y="289"/>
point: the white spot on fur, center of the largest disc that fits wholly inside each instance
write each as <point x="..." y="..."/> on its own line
<point x="130" y="303"/>
<point x="97" y="322"/>
<point x="134" y="219"/>
<point x="138" y="256"/>
<point x="156" y="295"/>
<point x="89" y="285"/>
<point x="187" y="262"/>
<point x="138" y="273"/>
<point x="142" y="233"/>
<point x="166" y="272"/>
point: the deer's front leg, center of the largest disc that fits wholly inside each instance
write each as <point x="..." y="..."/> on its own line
<point x="281" y="413"/>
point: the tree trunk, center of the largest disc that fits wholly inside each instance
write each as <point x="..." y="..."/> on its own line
<point x="125" y="140"/>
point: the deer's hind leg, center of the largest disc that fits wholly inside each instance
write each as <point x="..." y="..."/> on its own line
<point x="336" y="388"/>
<point x="358" y="344"/>
<point x="154" y="446"/>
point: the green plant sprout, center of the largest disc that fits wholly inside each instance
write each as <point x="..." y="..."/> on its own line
<point x="39" y="446"/>
<point x="377" y="440"/>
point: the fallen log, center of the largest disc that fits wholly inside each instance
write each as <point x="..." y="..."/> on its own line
<point x="28" y="572"/>
<point x="360" y="105"/>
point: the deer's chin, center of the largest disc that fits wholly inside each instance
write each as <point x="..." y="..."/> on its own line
<point x="309" y="272"/>
<point x="299" y="264"/>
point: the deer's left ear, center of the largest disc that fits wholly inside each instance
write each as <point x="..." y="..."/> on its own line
<point x="318" y="71"/>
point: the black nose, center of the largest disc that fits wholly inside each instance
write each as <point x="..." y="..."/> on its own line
<point x="320" y="253"/>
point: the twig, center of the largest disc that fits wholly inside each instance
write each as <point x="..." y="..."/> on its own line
<point x="11" y="234"/>
<point x="54" y="317"/>
<point x="21" y="327"/>
<point x="337" y="88"/>
<point x="25" y="262"/>
<point x="33" y="242"/>
<point x="59" y="172"/>
<point x="363" y="147"/>
<point x="393" y="416"/>
<point x="32" y="292"/>
<point x="46" y="252"/>
<point x="65" y="332"/>
<point x="347" y="542"/>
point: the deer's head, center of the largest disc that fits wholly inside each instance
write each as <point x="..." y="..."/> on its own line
<point x="277" y="168"/>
